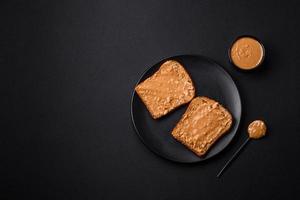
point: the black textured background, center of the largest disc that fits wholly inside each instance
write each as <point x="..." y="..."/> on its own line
<point x="67" y="72"/>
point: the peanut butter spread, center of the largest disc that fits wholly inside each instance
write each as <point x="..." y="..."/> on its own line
<point x="247" y="53"/>
<point x="257" y="129"/>
<point x="204" y="122"/>
<point x="166" y="89"/>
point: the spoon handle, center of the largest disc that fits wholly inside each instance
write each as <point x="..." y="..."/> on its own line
<point x="233" y="157"/>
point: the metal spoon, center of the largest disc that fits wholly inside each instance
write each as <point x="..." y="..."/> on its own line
<point x="256" y="130"/>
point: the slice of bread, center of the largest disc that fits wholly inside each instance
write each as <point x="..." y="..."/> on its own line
<point x="167" y="89"/>
<point x="203" y="123"/>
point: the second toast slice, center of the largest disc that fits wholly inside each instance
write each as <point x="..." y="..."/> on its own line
<point x="203" y="123"/>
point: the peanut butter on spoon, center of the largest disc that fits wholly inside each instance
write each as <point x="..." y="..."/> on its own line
<point x="256" y="130"/>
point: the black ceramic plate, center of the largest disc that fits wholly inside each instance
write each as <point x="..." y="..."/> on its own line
<point x="210" y="80"/>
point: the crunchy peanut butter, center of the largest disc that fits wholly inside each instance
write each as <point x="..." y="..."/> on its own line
<point x="166" y="89"/>
<point x="257" y="129"/>
<point x="204" y="121"/>
<point x="247" y="53"/>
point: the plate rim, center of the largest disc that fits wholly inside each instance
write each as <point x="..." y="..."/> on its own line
<point x="153" y="149"/>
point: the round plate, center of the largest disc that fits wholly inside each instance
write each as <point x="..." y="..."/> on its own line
<point x="210" y="80"/>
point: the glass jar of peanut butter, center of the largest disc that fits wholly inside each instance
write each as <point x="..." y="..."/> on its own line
<point x="246" y="52"/>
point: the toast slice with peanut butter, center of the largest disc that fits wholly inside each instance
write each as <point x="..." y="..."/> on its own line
<point x="167" y="89"/>
<point x="203" y="123"/>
